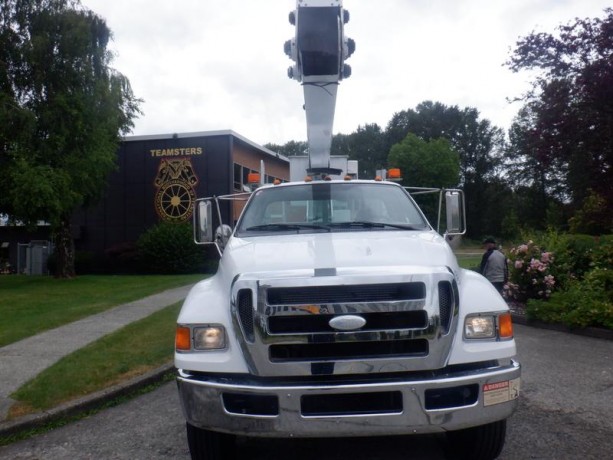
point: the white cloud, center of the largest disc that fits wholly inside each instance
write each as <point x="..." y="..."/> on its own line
<point x="208" y="65"/>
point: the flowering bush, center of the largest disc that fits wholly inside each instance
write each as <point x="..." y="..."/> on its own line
<point x="582" y="278"/>
<point x="586" y="302"/>
<point x="530" y="274"/>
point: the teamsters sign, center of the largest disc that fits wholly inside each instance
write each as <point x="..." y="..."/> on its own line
<point x="175" y="183"/>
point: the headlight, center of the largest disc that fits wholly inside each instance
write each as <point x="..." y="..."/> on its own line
<point x="480" y="327"/>
<point x="489" y="326"/>
<point x="200" y="338"/>
<point x="209" y="338"/>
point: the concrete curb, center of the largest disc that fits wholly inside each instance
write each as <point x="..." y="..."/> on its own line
<point x="594" y="332"/>
<point x="79" y="406"/>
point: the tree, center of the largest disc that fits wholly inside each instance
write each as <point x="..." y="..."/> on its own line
<point x="479" y="144"/>
<point x="289" y="149"/>
<point x="426" y="164"/>
<point x="65" y="109"/>
<point x="366" y="145"/>
<point x="564" y="134"/>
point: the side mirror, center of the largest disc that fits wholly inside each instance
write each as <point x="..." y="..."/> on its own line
<point x="454" y="206"/>
<point x="203" y="222"/>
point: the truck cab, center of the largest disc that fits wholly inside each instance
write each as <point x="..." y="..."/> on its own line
<point x="337" y="310"/>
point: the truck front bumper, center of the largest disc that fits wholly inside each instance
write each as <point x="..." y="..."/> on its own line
<point x="450" y="401"/>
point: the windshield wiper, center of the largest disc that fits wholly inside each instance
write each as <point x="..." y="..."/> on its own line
<point x="283" y="227"/>
<point x="366" y="224"/>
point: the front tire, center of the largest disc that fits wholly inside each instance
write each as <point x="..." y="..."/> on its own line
<point x="210" y="445"/>
<point x="483" y="442"/>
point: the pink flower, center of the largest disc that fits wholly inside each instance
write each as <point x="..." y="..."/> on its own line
<point x="549" y="280"/>
<point x="535" y="265"/>
<point x="546" y="257"/>
<point x="519" y="264"/>
<point x="523" y="248"/>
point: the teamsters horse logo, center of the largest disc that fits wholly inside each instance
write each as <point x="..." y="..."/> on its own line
<point x="175" y="181"/>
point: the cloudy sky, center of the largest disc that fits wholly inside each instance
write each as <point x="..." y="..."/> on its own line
<point x="204" y="65"/>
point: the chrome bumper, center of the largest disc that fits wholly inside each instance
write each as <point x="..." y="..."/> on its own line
<point x="382" y="407"/>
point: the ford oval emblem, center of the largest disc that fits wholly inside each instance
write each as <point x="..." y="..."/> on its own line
<point x="347" y="322"/>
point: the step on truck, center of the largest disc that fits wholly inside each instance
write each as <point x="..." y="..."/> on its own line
<point x="337" y="310"/>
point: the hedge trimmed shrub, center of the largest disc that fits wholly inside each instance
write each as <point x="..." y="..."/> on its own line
<point x="169" y="248"/>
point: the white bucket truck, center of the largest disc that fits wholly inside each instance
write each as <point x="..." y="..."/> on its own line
<point x="337" y="310"/>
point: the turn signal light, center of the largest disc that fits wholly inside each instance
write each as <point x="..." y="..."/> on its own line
<point x="182" y="338"/>
<point x="505" y="326"/>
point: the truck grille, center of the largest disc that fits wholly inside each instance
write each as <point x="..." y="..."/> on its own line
<point x="332" y="294"/>
<point x="287" y="328"/>
<point x="374" y="322"/>
<point x="347" y="350"/>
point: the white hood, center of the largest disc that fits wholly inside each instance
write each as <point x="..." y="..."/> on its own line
<point x="337" y="250"/>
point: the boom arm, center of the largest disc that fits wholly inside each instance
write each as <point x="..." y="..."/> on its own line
<point x="319" y="50"/>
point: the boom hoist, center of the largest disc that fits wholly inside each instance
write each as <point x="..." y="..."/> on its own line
<point x="319" y="50"/>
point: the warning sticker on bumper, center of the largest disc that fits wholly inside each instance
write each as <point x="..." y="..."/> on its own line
<point x="500" y="392"/>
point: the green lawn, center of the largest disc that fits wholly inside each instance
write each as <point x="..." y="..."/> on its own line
<point x="33" y="304"/>
<point x="469" y="261"/>
<point x="126" y="353"/>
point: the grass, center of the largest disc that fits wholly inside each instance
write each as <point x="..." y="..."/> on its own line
<point x="468" y="260"/>
<point x="33" y="304"/>
<point x="469" y="255"/>
<point x="133" y="350"/>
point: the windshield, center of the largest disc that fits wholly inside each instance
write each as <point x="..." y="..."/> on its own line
<point x="330" y="207"/>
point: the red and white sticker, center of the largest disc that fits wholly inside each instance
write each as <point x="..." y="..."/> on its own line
<point x="500" y="392"/>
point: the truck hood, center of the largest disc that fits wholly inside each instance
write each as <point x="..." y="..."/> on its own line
<point x="337" y="250"/>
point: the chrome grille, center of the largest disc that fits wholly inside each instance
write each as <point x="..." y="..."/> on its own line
<point x="332" y="294"/>
<point x="374" y="322"/>
<point x="407" y="319"/>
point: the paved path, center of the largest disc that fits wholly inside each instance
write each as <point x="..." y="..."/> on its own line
<point x="23" y="360"/>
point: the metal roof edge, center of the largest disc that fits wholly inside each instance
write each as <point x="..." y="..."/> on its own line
<point x="223" y="132"/>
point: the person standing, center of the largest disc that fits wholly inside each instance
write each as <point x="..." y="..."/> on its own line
<point x="494" y="265"/>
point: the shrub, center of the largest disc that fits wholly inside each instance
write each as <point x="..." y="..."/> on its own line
<point x="84" y="262"/>
<point x="168" y="248"/>
<point x="122" y="258"/>
<point x="587" y="302"/>
<point x="529" y="273"/>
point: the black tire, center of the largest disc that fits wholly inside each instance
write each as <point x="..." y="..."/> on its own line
<point x="483" y="442"/>
<point x="210" y="445"/>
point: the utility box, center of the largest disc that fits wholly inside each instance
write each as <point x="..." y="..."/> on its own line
<point x="33" y="257"/>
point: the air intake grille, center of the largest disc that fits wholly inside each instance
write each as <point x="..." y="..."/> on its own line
<point x="339" y="351"/>
<point x="345" y="294"/>
<point x="245" y="313"/>
<point x="446" y="302"/>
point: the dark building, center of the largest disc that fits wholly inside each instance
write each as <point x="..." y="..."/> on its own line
<point x="158" y="178"/>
